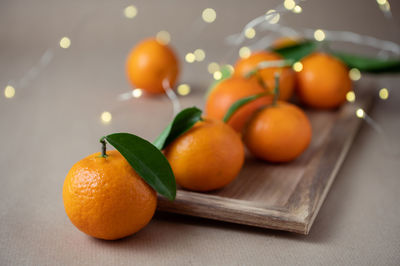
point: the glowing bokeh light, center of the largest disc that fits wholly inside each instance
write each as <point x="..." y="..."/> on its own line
<point x="384" y="93"/>
<point x="65" y="42"/>
<point x="190" y="57"/>
<point x="9" y="92"/>
<point x="137" y="93"/>
<point x="381" y="2"/>
<point x="130" y="11"/>
<point x="217" y="75"/>
<point x="360" y="113"/>
<point x="298" y="66"/>
<point x="212" y="67"/>
<point x="350" y="96"/>
<point x="385" y="7"/>
<point x="289" y="4"/>
<point x="199" y="54"/>
<point x="231" y="68"/>
<point x="354" y="74"/>
<point x="319" y="35"/>
<point x="183" y="89"/>
<point x="106" y="117"/>
<point x="297" y="9"/>
<point x="250" y="33"/>
<point x="209" y="15"/>
<point x="272" y="16"/>
<point x="163" y="37"/>
<point x="244" y="52"/>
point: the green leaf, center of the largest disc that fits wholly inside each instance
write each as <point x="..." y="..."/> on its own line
<point x="147" y="160"/>
<point x="367" y="64"/>
<point x="226" y="73"/>
<point x="297" y="51"/>
<point x="239" y="103"/>
<point x="181" y="123"/>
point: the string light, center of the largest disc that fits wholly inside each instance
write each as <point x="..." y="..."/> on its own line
<point x="217" y="75"/>
<point x="297" y="9"/>
<point x="289" y="4"/>
<point x="354" y="74"/>
<point x="212" y="67"/>
<point x="231" y="68"/>
<point x="360" y="113"/>
<point x="350" y="96"/>
<point x="163" y="37"/>
<point x="381" y="2"/>
<point x="385" y="7"/>
<point x="199" y="54"/>
<point x="130" y="11"/>
<point x="244" y="52"/>
<point x="298" y="66"/>
<point x="250" y="33"/>
<point x="275" y="16"/>
<point x="106" y="117"/>
<point x="9" y="92"/>
<point x="319" y="35"/>
<point x="183" y="89"/>
<point x="384" y="93"/>
<point x="65" y="42"/>
<point x="190" y="57"/>
<point x="209" y="15"/>
<point x="137" y="93"/>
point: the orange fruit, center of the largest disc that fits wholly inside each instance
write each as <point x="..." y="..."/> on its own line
<point x="278" y="133"/>
<point x="105" y="198"/>
<point x="207" y="157"/>
<point x="149" y="64"/>
<point x="229" y="91"/>
<point x="287" y="79"/>
<point x="323" y="82"/>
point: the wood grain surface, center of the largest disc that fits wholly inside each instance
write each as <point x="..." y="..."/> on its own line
<point x="281" y="196"/>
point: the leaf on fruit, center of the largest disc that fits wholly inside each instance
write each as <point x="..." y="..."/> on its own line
<point x="239" y="103"/>
<point x="147" y="161"/>
<point x="181" y="123"/>
<point x="297" y="51"/>
<point x="367" y="64"/>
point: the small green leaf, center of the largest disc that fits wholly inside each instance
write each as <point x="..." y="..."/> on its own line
<point x="297" y="51"/>
<point x="226" y="73"/>
<point x="147" y="160"/>
<point x="181" y="123"/>
<point x="239" y="103"/>
<point x="367" y="64"/>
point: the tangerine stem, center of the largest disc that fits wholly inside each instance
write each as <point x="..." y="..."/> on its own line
<point x="103" y="147"/>
<point x="276" y="89"/>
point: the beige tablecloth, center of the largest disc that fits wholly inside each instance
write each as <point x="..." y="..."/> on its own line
<point x="53" y="121"/>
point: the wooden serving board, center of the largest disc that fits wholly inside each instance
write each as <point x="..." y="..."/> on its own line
<point x="281" y="196"/>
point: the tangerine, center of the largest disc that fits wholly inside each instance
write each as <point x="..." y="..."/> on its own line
<point x="278" y="133"/>
<point x="229" y="91"/>
<point x="150" y="64"/>
<point x="323" y="82"/>
<point x="287" y="80"/>
<point x="105" y="198"/>
<point x="207" y="157"/>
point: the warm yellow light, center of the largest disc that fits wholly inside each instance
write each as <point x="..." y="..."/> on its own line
<point x="163" y="37"/>
<point x="383" y="93"/>
<point x="289" y="4"/>
<point x="360" y="113"/>
<point x="354" y="74"/>
<point x="65" y="42"/>
<point x="199" y="54"/>
<point x="385" y="7"/>
<point x="297" y="9"/>
<point x="272" y="16"/>
<point x="106" y="117"/>
<point x="130" y="11"/>
<point x="231" y="68"/>
<point x="350" y="96"/>
<point x="212" y="67"/>
<point x="381" y="2"/>
<point x="136" y="93"/>
<point x="217" y="75"/>
<point x="9" y="91"/>
<point x="184" y="89"/>
<point x="319" y="35"/>
<point x="209" y="15"/>
<point x="244" y="52"/>
<point x="298" y="66"/>
<point x="250" y="33"/>
<point x="190" y="57"/>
